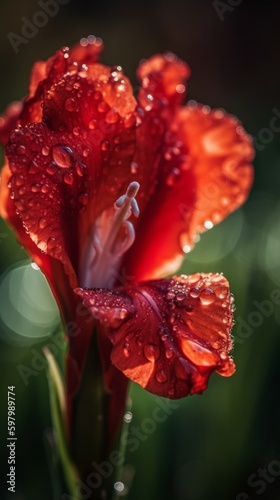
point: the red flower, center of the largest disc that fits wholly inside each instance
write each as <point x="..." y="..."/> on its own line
<point x="81" y="154"/>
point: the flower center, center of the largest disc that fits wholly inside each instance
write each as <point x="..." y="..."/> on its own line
<point x="111" y="236"/>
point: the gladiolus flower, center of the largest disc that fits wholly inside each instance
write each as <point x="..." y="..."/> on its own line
<point x="107" y="192"/>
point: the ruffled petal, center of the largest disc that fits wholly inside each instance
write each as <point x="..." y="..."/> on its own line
<point x="44" y="74"/>
<point x="204" y="174"/>
<point x="221" y="152"/>
<point x="168" y="335"/>
<point x="163" y="79"/>
<point x="77" y="163"/>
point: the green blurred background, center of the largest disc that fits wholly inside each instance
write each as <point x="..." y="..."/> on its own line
<point x="210" y="446"/>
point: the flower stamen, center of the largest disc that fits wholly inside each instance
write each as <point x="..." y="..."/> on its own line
<point x="111" y="236"/>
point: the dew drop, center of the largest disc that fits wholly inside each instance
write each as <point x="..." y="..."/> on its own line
<point x="151" y="352"/>
<point x="104" y="146"/>
<point x="43" y="223"/>
<point x="68" y="178"/>
<point x="207" y="296"/>
<point x="194" y="292"/>
<point x="127" y="417"/>
<point x="119" y="486"/>
<point x="103" y="107"/>
<point x="76" y="131"/>
<point x="92" y="124"/>
<point x="208" y="224"/>
<point x="70" y="104"/>
<point x="42" y="245"/>
<point x="45" y="150"/>
<point x="180" y="297"/>
<point x="35" y="188"/>
<point x="134" y="167"/>
<point x="62" y="156"/>
<point x="21" y="150"/>
<point x="85" y="152"/>
<point x="169" y="353"/>
<point x="170" y="295"/>
<point x="22" y="190"/>
<point x="80" y="168"/>
<point x="32" y="167"/>
<point x="112" y="116"/>
<point x="171" y="318"/>
<point x="125" y="350"/>
<point x="50" y="169"/>
<point x="129" y="121"/>
<point x="161" y="376"/>
<point x="51" y="243"/>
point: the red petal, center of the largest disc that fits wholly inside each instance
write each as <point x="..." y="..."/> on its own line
<point x="205" y="173"/>
<point x="168" y="335"/>
<point x="221" y="152"/>
<point x="9" y="120"/>
<point x="60" y="182"/>
<point x="46" y="73"/>
<point x="163" y="81"/>
<point x="45" y="194"/>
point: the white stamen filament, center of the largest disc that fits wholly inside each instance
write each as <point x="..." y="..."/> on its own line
<point x="107" y="244"/>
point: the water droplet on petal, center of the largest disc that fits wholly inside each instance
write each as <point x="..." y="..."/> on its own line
<point x="43" y="223"/>
<point x="62" y="156"/>
<point x="208" y="224"/>
<point x="134" y="167"/>
<point x="194" y="292"/>
<point x="181" y="297"/>
<point x="45" y="150"/>
<point x="68" y="178"/>
<point x="50" y="169"/>
<point x="42" y="246"/>
<point x="207" y="296"/>
<point x="126" y="350"/>
<point x="169" y="353"/>
<point x="51" y="243"/>
<point x="92" y="124"/>
<point x="103" y="107"/>
<point x="21" y="150"/>
<point x="35" y="188"/>
<point x="112" y="116"/>
<point x="70" y="104"/>
<point x="170" y="295"/>
<point x="151" y="352"/>
<point x="171" y="318"/>
<point x="104" y="146"/>
<point x="161" y="376"/>
<point x="85" y="152"/>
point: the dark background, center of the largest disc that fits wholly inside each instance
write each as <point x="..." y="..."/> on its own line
<point x="210" y="445"/>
